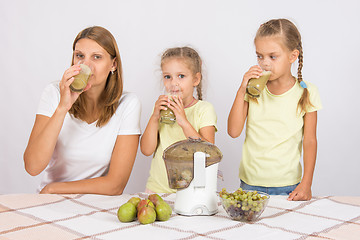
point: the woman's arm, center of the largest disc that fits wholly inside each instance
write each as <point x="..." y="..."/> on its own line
<point x="121" y="164"/>
<point x="303" y="190"/>
<point x="42" y="141"/>
<point x="46" y="130"/>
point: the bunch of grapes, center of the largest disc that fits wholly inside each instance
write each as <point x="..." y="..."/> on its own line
<point x="243" y="205"/>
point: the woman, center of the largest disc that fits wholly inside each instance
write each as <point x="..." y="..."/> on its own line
<point x="86" y="142"/>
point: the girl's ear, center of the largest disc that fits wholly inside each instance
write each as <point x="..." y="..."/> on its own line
<point x="197" y="79"/>
<point x="294" y="55"/>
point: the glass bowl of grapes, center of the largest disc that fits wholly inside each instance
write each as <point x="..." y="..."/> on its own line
<point x="243" y="205"/>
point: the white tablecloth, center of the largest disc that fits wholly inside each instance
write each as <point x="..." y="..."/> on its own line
<point x="43" y="216"/>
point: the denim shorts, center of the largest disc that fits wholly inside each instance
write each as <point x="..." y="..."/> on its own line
<point x="286" y="190"/>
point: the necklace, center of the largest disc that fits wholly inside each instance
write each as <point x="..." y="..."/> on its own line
<point x="190" y="103"/>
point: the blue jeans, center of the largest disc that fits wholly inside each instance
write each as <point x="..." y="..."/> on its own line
<point x="269" y="190"/>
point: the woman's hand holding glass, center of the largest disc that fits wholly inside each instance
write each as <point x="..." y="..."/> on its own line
<point x="68" y="97"/>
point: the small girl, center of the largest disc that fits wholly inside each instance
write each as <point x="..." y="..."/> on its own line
<point x="281" y="121"/>
<point x="181" y="70"/>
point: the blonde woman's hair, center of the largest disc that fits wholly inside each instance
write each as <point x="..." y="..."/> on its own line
<point x="191" y="58"/>
<point x="109" y="98"/>
<point x="292" y="40"/>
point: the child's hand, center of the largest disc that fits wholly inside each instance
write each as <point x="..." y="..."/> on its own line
<point x="160" y="104"/>
<point x="300" y="193"/>
<point x="178" y="108"/>
<point x="254" y="72"/>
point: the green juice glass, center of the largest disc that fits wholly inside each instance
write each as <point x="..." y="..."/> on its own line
<point x="81" y="80"/>
<point x="256" y="85"/>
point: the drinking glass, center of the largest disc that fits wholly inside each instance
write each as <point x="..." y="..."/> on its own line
<point x="256" y="85"/>
<point x="81" y="79"/>
<point x="168" y="116"/>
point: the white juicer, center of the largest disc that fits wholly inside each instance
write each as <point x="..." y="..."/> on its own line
<point x="192" y="167"/>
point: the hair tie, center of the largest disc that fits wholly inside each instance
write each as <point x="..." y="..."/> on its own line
<point x="303" y="84"/>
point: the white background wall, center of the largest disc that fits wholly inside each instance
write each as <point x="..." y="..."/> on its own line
<point x="35" y="46"/>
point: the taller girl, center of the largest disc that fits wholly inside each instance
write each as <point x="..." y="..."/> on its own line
<point x="283" y="119"/>
<point x="181" y="71"/>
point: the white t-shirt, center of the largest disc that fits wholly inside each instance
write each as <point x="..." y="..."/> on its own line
<point x="83" y="150"/>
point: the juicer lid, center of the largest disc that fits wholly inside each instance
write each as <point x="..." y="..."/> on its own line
<point x="183" y="151"/>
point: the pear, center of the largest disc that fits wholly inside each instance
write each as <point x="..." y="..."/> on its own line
<point x="145" y="202"/>
<point x="126" y="212"/>
<point x="146" y="215"/>
<point x="134" y="200"/>
<point x="155" y="199"/>
<point x="163" y="211"/>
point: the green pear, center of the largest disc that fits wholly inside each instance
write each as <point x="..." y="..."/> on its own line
<point x="155" y="199"/>
<point x="163" y="211"/>
<point x="146" y="215"/>
<point x="134" y="200"/>
<point x="126" y="212"/>
<point x="143" y="203"/>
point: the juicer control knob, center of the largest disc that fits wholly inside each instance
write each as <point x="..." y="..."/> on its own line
<point x="199" y="211"/>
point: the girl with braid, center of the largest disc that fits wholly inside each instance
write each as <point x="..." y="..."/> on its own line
<point x="181" y="70"/>
<point x="282" y="122"/>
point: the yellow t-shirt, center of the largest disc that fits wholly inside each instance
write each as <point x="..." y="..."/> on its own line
<point x="273" y="142"/>
<point x="201" y="114"/>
